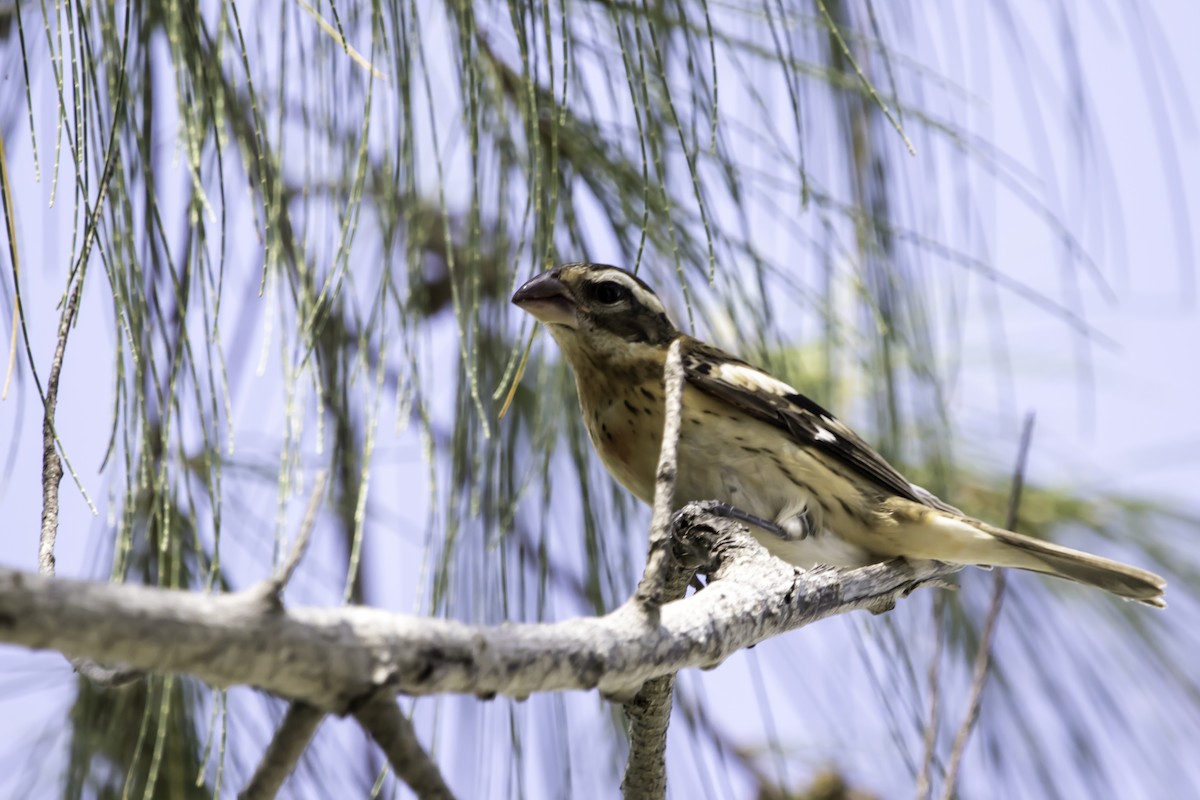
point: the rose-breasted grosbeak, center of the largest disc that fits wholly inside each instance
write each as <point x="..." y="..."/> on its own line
<point x="752" y="441"/>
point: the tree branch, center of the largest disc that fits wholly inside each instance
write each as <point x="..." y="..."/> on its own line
<point x="649" y="715"/>
<point x="52" y="473"/>
<point x="380" y="717"/>
<point x="925" y="775"/>
<point x="332" y="658"/>
<point x="658" y="561"/>
<point x="290" y="741"/>
<point x="649" y="712"/>
<point x="301" y="721"/>
<point x="52" y="470"/>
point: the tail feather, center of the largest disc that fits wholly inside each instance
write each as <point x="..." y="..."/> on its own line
<point x="1122" y="580"/>
<point x="919" y="531"/>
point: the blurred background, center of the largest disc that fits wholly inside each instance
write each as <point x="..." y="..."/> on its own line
<point x="294" y="229"/>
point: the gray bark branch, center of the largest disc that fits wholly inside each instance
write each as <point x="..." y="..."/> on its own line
<point x="331" y="658"/>
<point x="664" y="580"/>
<point x="649" y="712"/>
<point x="288" y="744"/>
<point x="383" y="721"/>
<point x="649" y="715"/>
<point x="658" y="560"/>
<point x="52" y="471"/>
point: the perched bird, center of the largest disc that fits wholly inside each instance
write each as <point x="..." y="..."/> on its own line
<point x="819" y="492"/>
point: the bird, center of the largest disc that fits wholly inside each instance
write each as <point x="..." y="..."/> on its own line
<point x="812" y="490"/>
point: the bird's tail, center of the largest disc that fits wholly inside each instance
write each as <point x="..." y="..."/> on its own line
<point x="1122" y="580"/>
<point x="940" y="535"/>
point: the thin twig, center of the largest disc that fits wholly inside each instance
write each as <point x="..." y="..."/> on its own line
<point x="924" y="783"/>
<point x="866" y="82"/>
<point x="300" y="723"/>
<point x="11" y="228"/>
<point x="982" y="658"/>
<point x="658" y="562"/>
<point x="290" y="741"/>
<point x="1018" y="483"/>
<point x="381" y="718"/>
<point x="649" y="712"/>
<point x="300" y="545"/>
<point x="52" y="473"/>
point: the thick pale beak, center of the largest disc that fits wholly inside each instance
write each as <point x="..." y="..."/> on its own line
<point x="547" y="299"/>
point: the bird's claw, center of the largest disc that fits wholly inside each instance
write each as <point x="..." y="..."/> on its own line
<point x="728" y="511"/>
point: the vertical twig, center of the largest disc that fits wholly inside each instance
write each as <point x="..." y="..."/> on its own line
<point x="301" y="721"/>
<point x="52" y="473"/>
<point x="52" y="470"/>
<point x="279" y="582"/>
<point x="924" y="782"/>
<point x="658" y="562"/>
<point x="649" y="712"/>
<point x="11" y="228"/>
<point x="982" y="658"/>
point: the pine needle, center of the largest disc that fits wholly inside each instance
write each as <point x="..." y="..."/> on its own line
<point x="512" y="390"/>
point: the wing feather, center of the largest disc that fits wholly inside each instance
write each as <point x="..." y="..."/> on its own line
<point x="769" y="399"/>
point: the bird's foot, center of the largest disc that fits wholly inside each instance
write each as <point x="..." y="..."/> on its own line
<point x="791" y="531"/>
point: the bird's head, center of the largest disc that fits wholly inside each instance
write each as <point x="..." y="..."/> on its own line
<point x="598" y="314"/>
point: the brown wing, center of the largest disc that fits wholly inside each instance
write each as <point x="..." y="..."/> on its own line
<point x="769" y="399"/>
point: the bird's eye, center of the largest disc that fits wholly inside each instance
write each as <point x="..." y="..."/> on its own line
<point x="609" y="292"/>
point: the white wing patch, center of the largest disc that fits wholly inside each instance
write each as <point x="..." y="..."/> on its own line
<point x="823" y="435"/>
<point x="753" y="380"/>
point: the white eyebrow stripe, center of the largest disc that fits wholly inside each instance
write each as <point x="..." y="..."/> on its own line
<point x="648" y="299"/>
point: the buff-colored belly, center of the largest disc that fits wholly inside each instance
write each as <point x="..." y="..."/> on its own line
<point x="745" y="463"/>
<point x="780" y="486"/>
